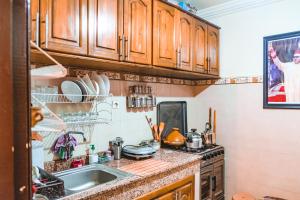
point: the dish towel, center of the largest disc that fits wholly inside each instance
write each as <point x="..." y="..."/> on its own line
<point x="64" y="146"/>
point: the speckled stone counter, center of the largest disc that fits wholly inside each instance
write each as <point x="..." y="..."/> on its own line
<point x="181" y="165"/>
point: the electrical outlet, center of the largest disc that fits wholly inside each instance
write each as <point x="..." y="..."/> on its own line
<point x="115" y="105"/>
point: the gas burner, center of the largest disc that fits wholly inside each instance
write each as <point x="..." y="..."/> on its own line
<point x="198" y="150"/>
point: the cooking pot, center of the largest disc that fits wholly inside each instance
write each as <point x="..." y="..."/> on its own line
<point x="175" y="138"/>
<point x="194" y="140"/>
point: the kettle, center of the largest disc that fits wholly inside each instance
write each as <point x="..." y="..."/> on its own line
<point x="194" y="140"/>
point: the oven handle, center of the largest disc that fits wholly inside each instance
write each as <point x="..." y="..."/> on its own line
<point x="214" y="179"/>
<point x="210" y="187"/>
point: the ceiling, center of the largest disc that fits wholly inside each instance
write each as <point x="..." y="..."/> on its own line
<point x="202" y="4"/>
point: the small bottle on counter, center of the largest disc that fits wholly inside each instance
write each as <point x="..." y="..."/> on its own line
<point x="93" y="157"/>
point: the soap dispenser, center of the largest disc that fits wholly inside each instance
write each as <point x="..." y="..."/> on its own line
<point x="93" y="157"/>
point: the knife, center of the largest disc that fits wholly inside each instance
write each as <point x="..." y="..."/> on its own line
<point x="209" y="120"/>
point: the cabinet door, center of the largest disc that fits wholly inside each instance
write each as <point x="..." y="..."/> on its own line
<point x="138" y="30"/>
<point x="164" y="37"/>
<point x="65" y="24"/>
<point x="104" y="28"/>
<point x="213" y="50"/>
<point x="200" y="46"/>
<point x="185" y="43"/>
<point x="218" y="180"/>
<point x="185" y="192"/>
<point x="206" y="183"/>
<point x="167" y="196"/>
<point x="182" y="189"/>
<point x="34" y="18"/>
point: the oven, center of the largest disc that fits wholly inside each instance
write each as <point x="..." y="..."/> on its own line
<point x="212" y="175"/>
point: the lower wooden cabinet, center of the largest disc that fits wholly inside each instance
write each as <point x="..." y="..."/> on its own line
<point x="181" y="190"/>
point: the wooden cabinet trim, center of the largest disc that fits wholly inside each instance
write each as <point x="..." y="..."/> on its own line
<point x="169" y="188"/>
<point x="111" y="65"/>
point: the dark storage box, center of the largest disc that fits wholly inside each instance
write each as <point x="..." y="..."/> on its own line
<point x="54" y="187"/>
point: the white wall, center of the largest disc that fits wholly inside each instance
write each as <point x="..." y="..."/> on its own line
<point x="241" y="35"/>
<point x="262" y="145"/>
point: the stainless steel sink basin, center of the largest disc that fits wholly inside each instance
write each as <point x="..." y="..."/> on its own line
<point x="79" y="179"/>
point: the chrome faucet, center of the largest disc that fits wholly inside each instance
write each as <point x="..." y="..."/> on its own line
<point x="77" y="133"/>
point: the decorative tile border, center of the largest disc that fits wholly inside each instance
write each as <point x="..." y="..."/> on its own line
<point x="132" y="77"/>
<point x="165" y="80"/>
<point x="231" y="80"/>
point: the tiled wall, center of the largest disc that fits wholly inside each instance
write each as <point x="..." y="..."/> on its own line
<point x="131" y="126"/>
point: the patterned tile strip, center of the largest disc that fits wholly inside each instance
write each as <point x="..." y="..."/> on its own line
<point x="165" y="80"/>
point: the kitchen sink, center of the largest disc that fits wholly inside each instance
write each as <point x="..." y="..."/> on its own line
<point x="79" y="179"/>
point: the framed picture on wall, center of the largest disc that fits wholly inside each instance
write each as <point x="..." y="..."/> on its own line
<point x="281" y="76"/>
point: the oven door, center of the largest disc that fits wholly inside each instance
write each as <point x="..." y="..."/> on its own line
<point x="206" y="175"/>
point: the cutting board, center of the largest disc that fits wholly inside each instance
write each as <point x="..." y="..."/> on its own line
<point x="146" y="167"/>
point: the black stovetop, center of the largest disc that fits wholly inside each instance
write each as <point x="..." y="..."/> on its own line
<point x="197" y="151"/>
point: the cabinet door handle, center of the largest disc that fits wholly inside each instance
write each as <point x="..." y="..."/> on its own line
<point x="208" y="64"/>
<point x="123" y="47"/>
<point x="120" y="46"/>
<point x="37" y="29"/>
<point x="210" y="187"/>
<point x="126" y="48"/>
<point x="47" y="30"/>
<point x="176" y="59"/>
<point x="180" y="57"/>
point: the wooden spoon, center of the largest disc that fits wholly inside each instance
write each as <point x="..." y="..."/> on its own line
<point x="160" y="129"/>
<point x="155" y="130"/>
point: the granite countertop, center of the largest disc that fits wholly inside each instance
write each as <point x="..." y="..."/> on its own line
<point x="175" y="166"/>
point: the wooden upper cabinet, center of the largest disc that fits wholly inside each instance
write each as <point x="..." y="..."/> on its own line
<point x="104" y="28"/>
<point x="164" y="35"/>
<point x="138" y="31"/>
<point x="213" y="50"/>
<point x="180" y="190"/>
<point x="185" y="42"/>
<point x="200" y="46"/>
<point x="64" y="26"/>
<point x="34" y="19"/>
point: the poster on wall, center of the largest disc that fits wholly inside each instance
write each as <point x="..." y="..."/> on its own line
<point x="281" y="76"/>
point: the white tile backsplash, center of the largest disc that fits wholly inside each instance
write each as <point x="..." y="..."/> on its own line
<point x="131" y="126"/>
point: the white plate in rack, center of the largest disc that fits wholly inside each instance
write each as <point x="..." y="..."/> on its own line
<point x="72" y="91"/>
<point x="101" y="84"/>
<point x="106" y="83"/>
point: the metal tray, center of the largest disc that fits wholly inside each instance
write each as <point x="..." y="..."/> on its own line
<point x="138" y="150"/>
<point x="140" y="156"/>
<point x="174" y="115"/>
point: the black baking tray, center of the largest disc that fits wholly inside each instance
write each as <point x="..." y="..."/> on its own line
<point x="174" y="115"/>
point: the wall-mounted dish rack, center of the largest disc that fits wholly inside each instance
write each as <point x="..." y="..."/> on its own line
<point x="61" y="113"/>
